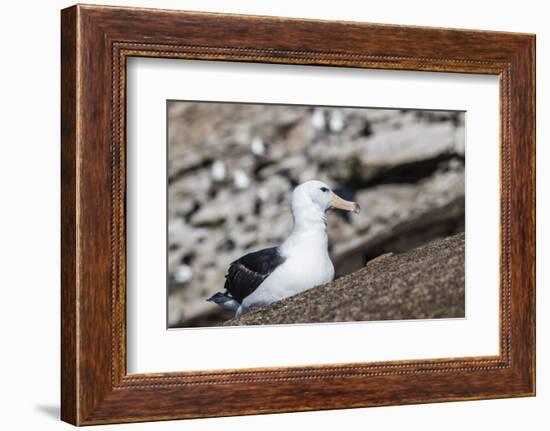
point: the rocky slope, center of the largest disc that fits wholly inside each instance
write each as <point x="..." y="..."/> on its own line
<point x="424" y="283"/>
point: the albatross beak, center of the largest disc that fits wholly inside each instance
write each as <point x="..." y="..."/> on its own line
<point x="338" y="202"/>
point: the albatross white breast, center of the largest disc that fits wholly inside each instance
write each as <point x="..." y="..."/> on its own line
<point x="299" y="263"/>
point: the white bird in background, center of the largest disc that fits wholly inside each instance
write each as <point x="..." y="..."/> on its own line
<point x="240" y="179"/>
<point x="299" y="263"/>
<point x="336" y="123"/>
<point x="318" y="119"/>
<point x="257" y="146"/>
<point x="219" y="171"/>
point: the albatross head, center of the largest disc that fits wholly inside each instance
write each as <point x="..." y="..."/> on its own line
<point x="317" y="197"/>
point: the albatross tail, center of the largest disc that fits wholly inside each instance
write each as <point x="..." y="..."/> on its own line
<point x="225" y="301"/>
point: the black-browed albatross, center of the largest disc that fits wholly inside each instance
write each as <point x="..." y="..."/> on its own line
<point x="299" y="263"/>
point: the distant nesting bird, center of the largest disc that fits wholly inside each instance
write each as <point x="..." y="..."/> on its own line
<point x="336" y="123"/>
<point x="240" y="179"/>
<point x="258" y="147"/>
<point x="299" y="263"/>
<point x="218" y="171"/>
<point x="318" y="119"/>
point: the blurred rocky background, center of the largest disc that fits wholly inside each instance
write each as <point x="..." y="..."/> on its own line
<point x="232" y="167"/>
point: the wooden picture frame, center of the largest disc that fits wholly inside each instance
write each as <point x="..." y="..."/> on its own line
<point x="95" y="43"/>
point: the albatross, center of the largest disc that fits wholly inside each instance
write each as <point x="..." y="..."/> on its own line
<point x="301" y="262"/>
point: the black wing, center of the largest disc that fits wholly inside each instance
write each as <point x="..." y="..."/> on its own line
<point x="247" y="273"/>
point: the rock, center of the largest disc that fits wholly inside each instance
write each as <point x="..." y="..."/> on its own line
<point x="424" y="283"/>
<point x="369" y="159"/>
<point x="208" y="216"/>
<point x="399" y="217"/>
<point x="460" y="141"/>
<point x="402" y="146"/>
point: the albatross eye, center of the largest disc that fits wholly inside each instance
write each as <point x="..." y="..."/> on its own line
<point x="324" y="189"/>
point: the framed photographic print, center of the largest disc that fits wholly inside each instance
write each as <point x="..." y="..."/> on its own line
<point x="265" y="215"/>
